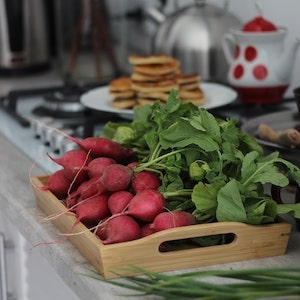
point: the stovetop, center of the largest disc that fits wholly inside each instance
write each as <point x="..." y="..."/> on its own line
<point x="34" y="129"/>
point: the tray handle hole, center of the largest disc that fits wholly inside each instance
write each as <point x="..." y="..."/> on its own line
<point x="197" y="242"/>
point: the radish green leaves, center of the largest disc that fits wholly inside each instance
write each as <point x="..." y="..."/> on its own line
<point x="207" y="165"/>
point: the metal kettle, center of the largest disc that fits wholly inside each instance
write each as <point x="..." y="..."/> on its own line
<point x="23" y="36"/>
<point x="193" y="34"/>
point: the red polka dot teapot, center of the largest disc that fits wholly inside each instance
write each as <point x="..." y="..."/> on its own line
<point x="260" y="68"/>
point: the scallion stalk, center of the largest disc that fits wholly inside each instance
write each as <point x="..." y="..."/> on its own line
<point x="248" y="284"/>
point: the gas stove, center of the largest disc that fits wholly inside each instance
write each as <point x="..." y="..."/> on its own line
<point x="32" y="120"/>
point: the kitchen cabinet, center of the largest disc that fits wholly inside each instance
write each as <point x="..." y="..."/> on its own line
<point x="27" y="275"/>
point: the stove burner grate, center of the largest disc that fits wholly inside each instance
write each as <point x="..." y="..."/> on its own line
<point x="9" y="103"/>
<point x="58" y="101"/>
<point x="43" y="111"/>
<point x="64" y="103"/>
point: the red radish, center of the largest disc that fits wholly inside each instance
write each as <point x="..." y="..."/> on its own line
<point x="147" y="230"/>
<point x="74" y="196"/>
<point x="86" y="189"/>
<point x="145" y="180"/>
<point x="77" y="192"/>
<point x="72" y="200"/>
<point x="74" y="161"/>
<point x="118" y="201"/>
<point x="133" y="164"/>
<point x="100" y="146"/>
<point x="96" y="167"/>
<point x="89" y="212"/>
<point x="75" y="158"/>
<point x="121" y="229"/>
<point x="172" y="219"/>
<point x="59" y="184"/>
<point x="146" y="205"/>
<point x="101" y="231"/>
<point x="92" y="210"/>
<point x="91" y="188"/>
<point x="116" y="177"/>
<point x="77" y="176"/>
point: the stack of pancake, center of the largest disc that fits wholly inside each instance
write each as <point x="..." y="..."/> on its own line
<point x="189" y="89"/>
<point x="153" y="78"/>
<point x="123" y="95"/>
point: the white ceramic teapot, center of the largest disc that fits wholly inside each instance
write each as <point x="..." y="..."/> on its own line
<point x="260" y="68"/>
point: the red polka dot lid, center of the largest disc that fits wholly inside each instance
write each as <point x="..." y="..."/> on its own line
<point x="259" y="24"/>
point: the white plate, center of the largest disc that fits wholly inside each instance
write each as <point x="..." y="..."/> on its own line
<point x="99" y="99"/>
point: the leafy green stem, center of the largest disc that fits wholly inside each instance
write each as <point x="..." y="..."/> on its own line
<point x="156" y="152"/>
<point x="145" y="165"/>
<point x="184" y="192"/>
<point x="257" y="171"/>
<point x="221" y="161"/>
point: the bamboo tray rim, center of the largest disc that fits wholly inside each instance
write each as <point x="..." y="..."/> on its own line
<point x="225" y="227"/>
<point x="106" y="258"/>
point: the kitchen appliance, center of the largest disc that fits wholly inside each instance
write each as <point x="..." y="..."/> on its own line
<point x="260" y="68"/>
<point x="193" y="34"/>
<point x="23" y="37"/>
<point x="36" y="115"/>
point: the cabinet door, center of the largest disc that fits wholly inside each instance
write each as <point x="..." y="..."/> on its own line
<point x="3" y="275"/>
<point x="12" y="262"/>
<point x="26" y="275"/>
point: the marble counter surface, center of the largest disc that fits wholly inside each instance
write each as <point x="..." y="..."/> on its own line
<point x="18" y="204"/>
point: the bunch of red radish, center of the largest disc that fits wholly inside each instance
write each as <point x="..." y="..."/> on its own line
<point x="97" y="183"/>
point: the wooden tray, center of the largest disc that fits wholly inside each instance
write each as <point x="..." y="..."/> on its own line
<point x="250" y="242"/>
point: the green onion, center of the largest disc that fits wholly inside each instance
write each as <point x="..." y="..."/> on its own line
<point x="248" y="284"/>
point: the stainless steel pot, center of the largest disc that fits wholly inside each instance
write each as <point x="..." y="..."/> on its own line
<point x="194" y="34"/>
<point x="23" y="36"/>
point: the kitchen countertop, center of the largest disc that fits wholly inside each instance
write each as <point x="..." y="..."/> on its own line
<point x="18" y="204"/>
